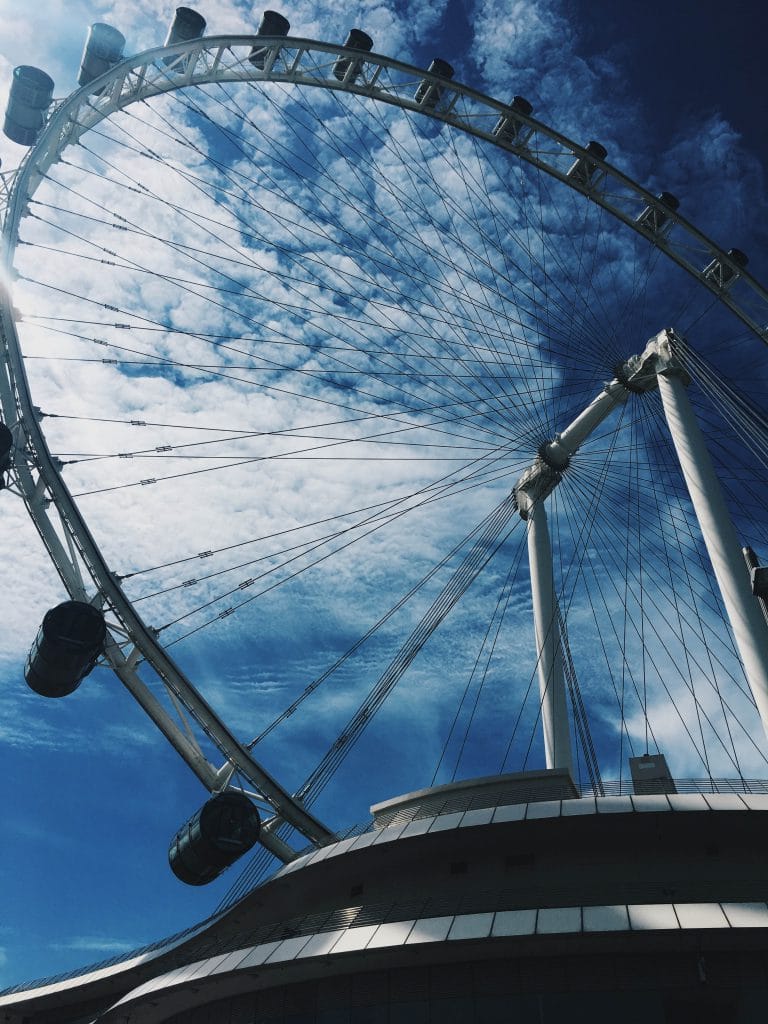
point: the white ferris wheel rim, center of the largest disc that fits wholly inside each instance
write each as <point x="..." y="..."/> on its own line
<point x="215" y="59"/>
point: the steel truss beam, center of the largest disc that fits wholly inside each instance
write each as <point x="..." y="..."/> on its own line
<point x="306" y="63"/>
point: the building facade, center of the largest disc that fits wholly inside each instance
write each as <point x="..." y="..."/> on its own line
<point x="495" y="900"/>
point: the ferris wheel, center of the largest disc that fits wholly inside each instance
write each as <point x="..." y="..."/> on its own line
<point x="302" y="341"/>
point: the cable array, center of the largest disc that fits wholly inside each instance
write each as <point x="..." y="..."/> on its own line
<point x="323" y="340"/>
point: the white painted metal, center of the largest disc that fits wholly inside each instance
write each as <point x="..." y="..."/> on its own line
<point x="308" y="62"/>
<point x="540" y="479"/>
<point x="305" y="62"/>
<point x="638" y="373"/>
<point x="744" y="612"/>
<point x="554" y="708"/>
<point x="558" y="452"/>
<point x="143" y="637"/>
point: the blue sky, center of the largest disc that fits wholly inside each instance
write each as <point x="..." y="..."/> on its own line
<point x="93" y="792"/>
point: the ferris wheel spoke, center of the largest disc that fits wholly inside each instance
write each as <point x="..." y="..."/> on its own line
<point x="400" y="306"/>
<point x="661" y="582"/>
<point x="368" y="526"/>
<point x="373" y="226"/>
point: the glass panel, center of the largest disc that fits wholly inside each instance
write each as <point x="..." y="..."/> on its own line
<point x="456" y="1010"/>
<point x="369" y="1015"/>
<point x="410" y="1013"/>
<point x="333" y="1016"/>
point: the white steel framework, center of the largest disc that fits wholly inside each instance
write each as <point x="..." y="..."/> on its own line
<point x="659" y="367"/>
<point x="725" y="550"/>
<point x="303" y="62"/>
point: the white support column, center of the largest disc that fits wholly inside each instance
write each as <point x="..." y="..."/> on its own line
<point x="749" y="627"/>
<point x="531" y="490"/>
<point x="554" y="707"/>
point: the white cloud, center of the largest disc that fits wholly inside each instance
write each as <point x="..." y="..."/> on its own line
<point x="530" y="274"/>
<point x="723" y="184"/>
<point x="96" y="945"/>
<point x="531" y="48"/>
<point x="482" y="305"/>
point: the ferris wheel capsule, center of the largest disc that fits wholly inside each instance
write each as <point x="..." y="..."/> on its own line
<point x="6" y="447"/>
<point x="103" y="49"/>
<point x="583" y="170"/>
<point x="271" y="24"/>
<point x="225" y="827"/>
<point x="67" y="647"/>
<point x="722" y="273"/>
<point x="356" y="40"/>
<point x="187" y="24"/>
<point x="509" y="127"/>
<point x="28" y="101"/>
<point x="429" y="93"/>
<point x="655" y="218"/>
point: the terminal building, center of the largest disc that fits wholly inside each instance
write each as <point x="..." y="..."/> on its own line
<point x="508" y="898"/>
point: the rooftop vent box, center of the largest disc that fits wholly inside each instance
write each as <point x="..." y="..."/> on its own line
<point x="650" y="774"/>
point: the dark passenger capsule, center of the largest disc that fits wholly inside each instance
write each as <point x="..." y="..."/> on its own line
<point x="508" y="126"/>
<point x="28" y="102"/>
<point x="224" y="828"/>
<point x="722" y="274"/>
<point x="428" y="93"/>
<point x="271" y="24"/>
<point x="738" y="257"/>
<point x="653" y="218"/>
<point x="67" y="647"/>
<point x="103" y="49"/>
<point x="187" y="24"/>
<point x="583" y="169"/>
<point x="356" y="40"/>
<point x="670" y="201"/>
<point x="6" y="447"/>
